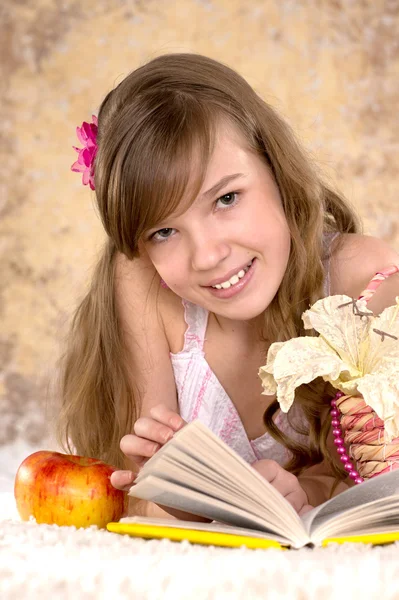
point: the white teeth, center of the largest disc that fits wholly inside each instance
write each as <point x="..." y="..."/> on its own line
<point x="233" y="280"/>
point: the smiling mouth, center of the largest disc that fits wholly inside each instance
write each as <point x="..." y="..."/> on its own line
<point x="234" y="279"/>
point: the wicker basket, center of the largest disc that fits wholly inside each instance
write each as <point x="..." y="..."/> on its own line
<point x="363" y="434"/>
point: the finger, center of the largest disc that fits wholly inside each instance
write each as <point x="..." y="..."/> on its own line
<point x="267" y="468"/>
<point x="298" y="500"/>
<point x="123" y="480"/>
<point x="164" y="415"/>
<point x="305" y="509"/>
<point x="153" y="431"/>
<point x="284" y="482"/>
<point x="137" y="449"/>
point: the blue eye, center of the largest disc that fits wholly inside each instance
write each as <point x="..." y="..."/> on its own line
<point x="162" y="234"/>
<point x="228" y="199"/>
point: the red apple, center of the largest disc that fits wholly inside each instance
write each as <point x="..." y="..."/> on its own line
<point x="64" y="489"/>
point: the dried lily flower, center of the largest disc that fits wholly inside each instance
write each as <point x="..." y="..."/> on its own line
<point x="357" y="352"/>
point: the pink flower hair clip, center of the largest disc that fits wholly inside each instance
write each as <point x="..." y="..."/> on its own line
<point x="87" y="135"/>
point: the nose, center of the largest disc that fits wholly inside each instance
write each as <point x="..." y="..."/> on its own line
<point x="208" y="249"/>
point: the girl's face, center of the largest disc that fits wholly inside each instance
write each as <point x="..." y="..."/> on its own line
<point x="229" y="250"/>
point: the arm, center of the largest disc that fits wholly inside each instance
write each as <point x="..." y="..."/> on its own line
<point x="140" y="300"/>
<point x="139" y="306"/>
<point x="147" y="350"/>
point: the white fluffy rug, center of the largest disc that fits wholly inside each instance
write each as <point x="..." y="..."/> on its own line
<point x="62" y="563"/>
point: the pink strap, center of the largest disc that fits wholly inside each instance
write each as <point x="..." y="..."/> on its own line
<point x="378" y="278"/>
<point x="196" y="318"/>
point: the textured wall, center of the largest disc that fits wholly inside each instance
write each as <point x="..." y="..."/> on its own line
<point x="330" y="66"/>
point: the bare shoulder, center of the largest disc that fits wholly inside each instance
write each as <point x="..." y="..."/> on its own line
<point x="354" y="262"/>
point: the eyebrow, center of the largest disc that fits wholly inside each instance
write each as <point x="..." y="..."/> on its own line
<point x="220" y="185"/>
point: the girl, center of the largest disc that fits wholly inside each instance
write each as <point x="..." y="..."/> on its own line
<point x="220" y="234"/>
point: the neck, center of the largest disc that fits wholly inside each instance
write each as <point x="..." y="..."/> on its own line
<point x="251" y="330"/>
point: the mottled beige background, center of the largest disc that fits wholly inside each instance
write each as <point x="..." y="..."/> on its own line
<point x="330" y="66"/>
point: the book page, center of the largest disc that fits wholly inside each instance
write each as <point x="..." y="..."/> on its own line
<point x="368" y="498"/>
<point x="199" y="443"/>
<point x="170" y="494"/>
<point x="178" y="466"/>
<point x="197" y="526"/>
<point x="231" y="466"/>
<point x="219" y="488"/>
<point x="195" y="458"/>
<point x="380" y="513"/>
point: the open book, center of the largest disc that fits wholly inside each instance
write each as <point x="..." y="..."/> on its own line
<point x="198" y="473"/>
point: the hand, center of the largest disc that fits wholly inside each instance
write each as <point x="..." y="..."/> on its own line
<point x="150" y="434"/>
<point x="286" y="483"/>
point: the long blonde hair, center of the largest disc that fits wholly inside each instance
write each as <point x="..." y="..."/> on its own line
<point x="151" y="128"/>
